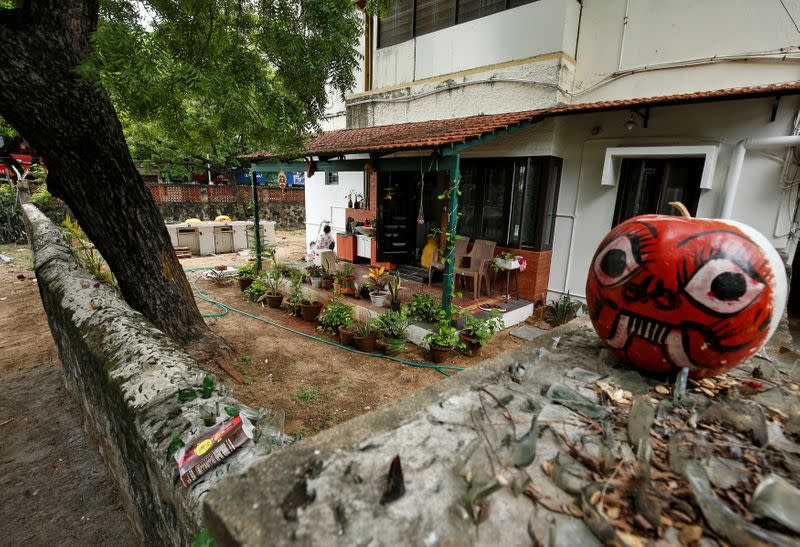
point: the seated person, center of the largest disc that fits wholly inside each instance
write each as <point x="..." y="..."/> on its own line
<point x="325" y="240"/>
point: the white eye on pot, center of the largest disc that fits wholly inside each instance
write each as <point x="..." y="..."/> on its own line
<point x="616" y="262"/>
<point x="723" y="287"/>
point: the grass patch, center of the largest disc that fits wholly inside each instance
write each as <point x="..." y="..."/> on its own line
<point x="246" y="358"/>
<point x="306" y="395"/>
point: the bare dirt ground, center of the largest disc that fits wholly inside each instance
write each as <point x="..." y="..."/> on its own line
<point x="54" y="484"/>
<point x="317" y="385"/>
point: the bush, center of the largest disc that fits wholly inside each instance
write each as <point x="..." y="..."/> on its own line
<point x="84" y="251"/>
<point x="12" y="229"/>
<point x="562" y="310"/>
<point x="392" y="324"/>
<point x="423" y="307"/>
<point x="334" y="315"/>
<point x="257" y="291"/>
<point x="482" y="329"/>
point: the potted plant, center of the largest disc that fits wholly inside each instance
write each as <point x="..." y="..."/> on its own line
<point x="376" y="281"/>
<point x="393" y="325"/>
<point x="423" y="307"/>
<point x="257" y="290"/>
<point x="365" y="336"/>
<point x="477" y="331"/>
<point x="315" y="273"/>
<point x="295" y="295"/>
<point x="327" y="279"/>
<point x="442" y="340"/>
<point x="393" y="284"/>
<point x="310" y="308"/>
<point x="336" y="315"/>
<point x="246" y="275"/>
<point x="273" y="280"/>
<point x="505" y="261"/>
<point x="345" y="280"/>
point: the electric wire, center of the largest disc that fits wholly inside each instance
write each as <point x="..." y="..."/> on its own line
<point x="442" y="369"/>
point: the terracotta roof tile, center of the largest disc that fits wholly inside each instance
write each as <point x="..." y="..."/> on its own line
<point x="438" y="133"/>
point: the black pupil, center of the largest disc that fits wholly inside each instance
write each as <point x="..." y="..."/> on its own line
<point x="728" y="286"/>
<point x="613" y="263"/>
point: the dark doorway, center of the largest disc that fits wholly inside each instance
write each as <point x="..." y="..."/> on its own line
<point x="647" y="185"/>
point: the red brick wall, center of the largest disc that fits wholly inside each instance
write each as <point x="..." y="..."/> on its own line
<point x="533" y="281"/>
<point x="362" y="215"/>
<point x="189" y="193"/>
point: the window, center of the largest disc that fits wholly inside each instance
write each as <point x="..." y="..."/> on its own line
<point x="409" y="18"/>
<point x="647" y="185"/>
<point x="510" y="201"/>
<point x="331" y="178"/>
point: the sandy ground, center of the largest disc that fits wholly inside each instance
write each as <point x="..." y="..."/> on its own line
<point x="317" y="385"/>
<point x="54" y="484"/>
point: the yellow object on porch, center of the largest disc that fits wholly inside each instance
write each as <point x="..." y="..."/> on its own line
<point x="222" y="218"/>
<point x="192" y="221"/>
<point x="429" y="252"/>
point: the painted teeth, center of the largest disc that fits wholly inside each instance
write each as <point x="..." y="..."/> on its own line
<point x="652" y="331"/>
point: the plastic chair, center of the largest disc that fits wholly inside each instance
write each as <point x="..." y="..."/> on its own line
<point x="480" y="256"/>
<point x="459" y="252"/>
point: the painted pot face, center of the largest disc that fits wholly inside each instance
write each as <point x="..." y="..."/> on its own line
<point x="670" y="292"/>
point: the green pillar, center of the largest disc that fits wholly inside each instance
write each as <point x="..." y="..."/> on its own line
<point x="452" y="222"/>
<point x="257" y="222"/>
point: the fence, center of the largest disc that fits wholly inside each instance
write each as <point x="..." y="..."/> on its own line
<point x="188" y="193"/>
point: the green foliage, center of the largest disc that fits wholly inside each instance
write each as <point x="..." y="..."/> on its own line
<point x="295" y="296"/>
<point x="306" y="395"/>
<point x="257" y="291"/>
<point x="443" y="335"/>
<point x="562" y="310"/>
<point x="272" y="278"/>
<point x="315" y="270"/>
<point x="12" y="229"/>
<point x="482" y="329"/>
<point x="393" y="324"/>
<point x="334" y="315"/>
<point x="85" y="252"/>
<point x="203" y="539"/>
<point x="423" y="307"/>
<point x="214" y="78"/>
<point x="362" y="329"/>
<point x="248" y="271"/>
<point x="42" y="196"/>
<point x="246" y="358"/>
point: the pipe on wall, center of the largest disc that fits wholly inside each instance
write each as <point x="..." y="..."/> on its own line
<point x="735" y="169"/>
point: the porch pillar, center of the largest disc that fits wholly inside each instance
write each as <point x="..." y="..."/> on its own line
<point x="257" y="222"/>
<point x="452" y="222"/>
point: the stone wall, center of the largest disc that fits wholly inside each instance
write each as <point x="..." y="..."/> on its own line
<point x="125" y="373"/>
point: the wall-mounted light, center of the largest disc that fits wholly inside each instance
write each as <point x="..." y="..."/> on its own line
<point x="630" y="124"/>
<point x="644" y="114"/>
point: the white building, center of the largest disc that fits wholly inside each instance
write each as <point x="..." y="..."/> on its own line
<point x="656" y="94"/>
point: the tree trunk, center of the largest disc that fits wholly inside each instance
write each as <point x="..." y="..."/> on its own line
<point x="76" y="129"/>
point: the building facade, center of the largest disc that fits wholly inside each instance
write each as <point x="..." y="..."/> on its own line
<point x="659" y="97"/>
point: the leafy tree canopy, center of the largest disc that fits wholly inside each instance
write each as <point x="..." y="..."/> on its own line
<point x="191" y="78"/>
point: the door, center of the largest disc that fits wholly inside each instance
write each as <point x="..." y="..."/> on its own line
<point x="398" y="201"/>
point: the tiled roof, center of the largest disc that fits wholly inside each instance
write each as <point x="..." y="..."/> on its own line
<point x="439" y="133"/>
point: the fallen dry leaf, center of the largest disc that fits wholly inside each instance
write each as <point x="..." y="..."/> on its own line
<point x="690" y="534"/>
<point x="662" y="389"/>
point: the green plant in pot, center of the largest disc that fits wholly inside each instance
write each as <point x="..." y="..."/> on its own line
<point x="376" y="281"/>
<point x="393" y="285"/>
<point x="327" y="278"/>
<point x="479" y="330"/>
<point x="393" y="326"/>
<point x="335" y="317"/>
<point x="345" y="280"/>
<point x="246" y="275"/>
<point x="273" y="277"/>
<point x="315" y="273"/>
<point x="442" y="339"/>
<point x="365" y="335"/>
<point x="257" y="290"/>
<point x="562" y="310"/>
<point x="295" y="295"/>
<point x="423" y="307"/>
<point x="309" y="307"/>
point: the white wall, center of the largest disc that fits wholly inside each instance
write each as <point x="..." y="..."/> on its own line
<point x="585" y="208"/>
<point x="329" y="202"/>
<point x="678" y="31"/>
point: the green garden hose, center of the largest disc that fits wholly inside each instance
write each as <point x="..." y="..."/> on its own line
<point x="225" y="309"/>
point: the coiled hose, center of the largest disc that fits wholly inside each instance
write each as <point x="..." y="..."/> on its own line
<point x="442" y="369"/>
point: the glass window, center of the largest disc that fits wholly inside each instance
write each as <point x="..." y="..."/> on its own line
<point x="517" y="201"/>
<point x="647" y="185"/>
<point x="396" y="26"/>
<point x="468" y="200"/>
<point x="496" y="184"/>
<point x="531" y="197"/>
<point x="331" y="178"/>
<point x="433" y="15"/>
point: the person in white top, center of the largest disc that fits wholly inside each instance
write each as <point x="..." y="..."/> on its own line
<point x="325" y="240"/>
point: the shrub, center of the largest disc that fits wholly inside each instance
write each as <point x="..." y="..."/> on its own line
<point x="562" y="310"/>
<point x="482" y="329"/>
<point x="257" y="291"/>
<point x="443" y="335"/>
<point x="334" y="315"/>
<point x="248" y="271"/>
<point x="423" y="307"/>
<point x="392" y="324"/>
<point x="84" y="251"/>
<point x="12" y="229"/>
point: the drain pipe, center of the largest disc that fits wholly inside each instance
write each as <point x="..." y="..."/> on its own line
<point x="735" y="169"/>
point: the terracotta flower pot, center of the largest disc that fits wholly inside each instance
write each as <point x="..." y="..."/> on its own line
<point x="440" y="355"/>
<point x="471" y="347"/>
<point x="274" y="300"/>
<point x="327" y="283"/>
<point x="310" y="311"/>
<point x="347" y="285"/>
<point x="345" y="336"/>
<point x="244" y="283"/>
<point x="394" y="345"/>
<point x="366" y="343"/>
